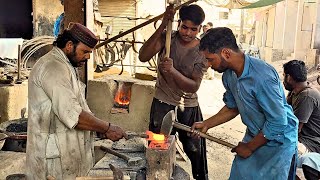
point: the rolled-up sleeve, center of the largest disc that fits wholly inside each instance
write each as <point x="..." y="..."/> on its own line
<point x="272" y="103"/>
<point x="228" y="98"/>
<point x="56" y="82"/>
<point x="200" y="66"/>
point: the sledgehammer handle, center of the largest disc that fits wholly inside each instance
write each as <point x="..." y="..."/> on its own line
<point x="108" y="150"/>
<point x="168" y="37"/>
<point x="204" y="135"/>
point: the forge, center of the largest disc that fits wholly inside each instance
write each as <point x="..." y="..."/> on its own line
<point x="158" y="158"/>
<point x="122" y="97"/>
<point x="122" y="100"/>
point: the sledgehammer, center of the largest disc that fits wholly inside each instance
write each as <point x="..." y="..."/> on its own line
<point x="169" y="121"/>
<point x="131" y="161"/>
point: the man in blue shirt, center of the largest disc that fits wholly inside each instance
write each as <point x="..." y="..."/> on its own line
<point x="253" y="90"/>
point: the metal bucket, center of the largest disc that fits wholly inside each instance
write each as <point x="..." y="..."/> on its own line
<point x="2" y="139"/>
<point x="16" y="130"/>
<point x="16" y="177"/>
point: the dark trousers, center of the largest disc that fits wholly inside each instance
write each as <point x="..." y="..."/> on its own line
<point x="194" y="148"/>
<point x="293" y="167"/>
<point x="310" y="173"/>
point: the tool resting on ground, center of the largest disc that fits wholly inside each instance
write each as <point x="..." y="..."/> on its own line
<point x="169" y="121"/>
<point x="131" y="161"/>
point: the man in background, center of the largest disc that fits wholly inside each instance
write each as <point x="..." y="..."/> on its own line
<point x="204" y="30"/>
<point x="209" y="25"/>
<point x="305" y="101"/>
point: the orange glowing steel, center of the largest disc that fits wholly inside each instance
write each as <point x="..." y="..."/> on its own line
<point x="155" y="137"/>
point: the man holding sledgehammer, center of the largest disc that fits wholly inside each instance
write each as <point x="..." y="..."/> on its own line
<point x="180" y="72"/>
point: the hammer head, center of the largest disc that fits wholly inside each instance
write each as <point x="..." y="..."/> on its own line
<point x="135" y="161"/>
<point x="167" y="123"/>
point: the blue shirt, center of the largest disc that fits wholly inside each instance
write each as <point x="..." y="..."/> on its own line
<point x="56" y="26"/>
<point x="258" y="95"/>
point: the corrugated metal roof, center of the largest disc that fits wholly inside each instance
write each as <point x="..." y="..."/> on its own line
<point x="116" y="10"/>
<point x="262" y="3"/>
<point x="242" y="4"/>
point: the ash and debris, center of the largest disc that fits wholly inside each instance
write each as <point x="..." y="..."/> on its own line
<point x="135" y="144"/>
<point x="9" y="73"/>
<point x="132" y="147"/>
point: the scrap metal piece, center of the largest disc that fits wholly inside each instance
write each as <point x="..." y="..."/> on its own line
<point x="117" y="173"/>
<point x="131" y="161"/>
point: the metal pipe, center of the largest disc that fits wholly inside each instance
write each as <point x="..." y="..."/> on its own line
<point x="128" y="65"/>
<point x="19" y="81"/>
<point x="140" y="26"/>
<point x="11" y="64"/>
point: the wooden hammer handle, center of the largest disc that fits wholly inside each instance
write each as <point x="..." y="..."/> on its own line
<point x="204" y="135"/>
<point x="140" y="25"/>
<point x="168" y="38"/>
<point x="108" y="150"/>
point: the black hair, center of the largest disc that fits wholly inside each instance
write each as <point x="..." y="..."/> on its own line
<point x="193" y="13"/>
<point x="63" y="38"/>
<point x="296" y="69"/>
<point x="210" y="24"/>
<point x="217" y="38"/>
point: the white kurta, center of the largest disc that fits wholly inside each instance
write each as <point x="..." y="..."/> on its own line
<point x="56" y="99"/>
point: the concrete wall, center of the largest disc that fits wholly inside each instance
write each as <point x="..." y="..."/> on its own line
<point x="304" y="30"/>
<point x="44" y="15"/>
<point x="279" y="25"/>
<point x="265" y="28"/>
<point x="291" y="8"/>
<point x="274" y="28"/>
<point x="289" y="30"/>
<point x="100" y="99"/>
<point x="316" y="42"/>
<point x="270" y="28"/>
<point x="12" y="100"/>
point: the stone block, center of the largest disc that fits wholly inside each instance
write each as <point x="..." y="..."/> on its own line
<point x="100" y="98"/>
<point x="161" y="163"/>
<point x="12" y="100"/>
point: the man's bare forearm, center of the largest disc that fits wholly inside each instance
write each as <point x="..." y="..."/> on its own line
<point x="91" y="123"/>
<point x="224" y="115"/>
<point x="184" y="83"/>
<point x="258" y="141"/>
<point x="152" y="46"/>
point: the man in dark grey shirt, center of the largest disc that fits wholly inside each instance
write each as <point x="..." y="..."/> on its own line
<point x="178" y="79"/>
<point x="305" y="101"/>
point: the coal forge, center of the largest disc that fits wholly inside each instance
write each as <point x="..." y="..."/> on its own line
<point x="122" y="98"/>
